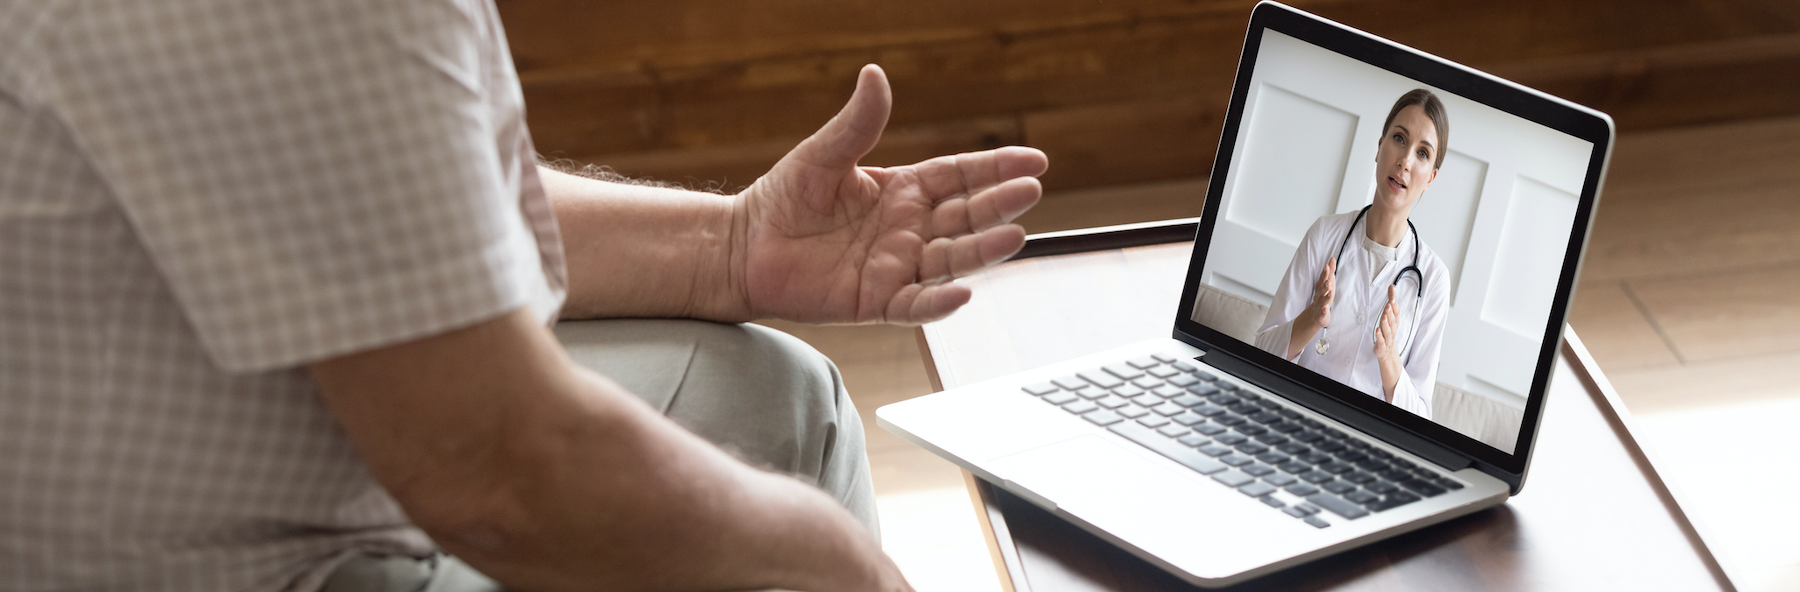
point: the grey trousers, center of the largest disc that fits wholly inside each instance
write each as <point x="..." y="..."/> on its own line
<point x="760" y="394"/>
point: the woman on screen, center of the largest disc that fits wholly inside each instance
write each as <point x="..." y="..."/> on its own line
<point x="1365" y="299"/>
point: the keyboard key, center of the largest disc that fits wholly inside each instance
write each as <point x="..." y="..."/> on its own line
<point x="1361" y="497"/>
<point x="1232" y="478"/>
<point x="1209" y="410"/>
<point x="1210" y="429"/>
<point x="1392" y="501"/>
<point x="1315" y="476"/>
<point x="1226" y="386"/>
<point x="1302" y="489"/>
<point x="1103" y="417"/>
<point x="1113" y="402"/>
<point x="1271" y="438"/>
<point x="1192" y="439"/>
<point x="1270" y="501"/>
<point x="1352" y="456"/>
<point x="1092" y="392"/>
<point x="1172" y="431"/>
<point x="1257" y="469"/>
<point x="1270" y="405"/>
<point x="1373" y="465"/>
<point x="1295" y="511"/>
<point x="1188" y="400"/>
<point x="1228" y="419"/>
<point x="1316" y="522"/>
<point x="1126" y="390"/>
<point x="1422" y="487"/>
<point x="1169" y="392"/>
<point x="1042" y="389"/>
<point x="1355" y="444"/>
<point x="1163" y="372"/>
<point x="1079" y="407"/>
<point x="1168" y="448"/>
<point x="1287" y="427"/>
<point x="1357" y="477"/>
<point x="1147" y="400"/>
<point x="1147" y="382"/>
<point x="1164" y="358"/>
<point x="1071" y="382"/>
<point x="1183" y="366"/>
<point x="1182" y="380"/>
<point x="1237" y="460"/>
<point x="1338" y="487"/>
<point x="1145" y="362"/>
<point x="1251" y="448"/>
<point x="1215" y="450"/>
<point x="1295" y="467"/>
<point x="1312" y="457"/>
<point x="1154" y="421"/>
<point x="1307" y="436"/>
<point x="1225" y="400"/>
<point x="1169" y="409"/>
<point x="1188" y="419"/>
<point x="1294" y="448"/>
<point x="1263" y="417"/>
<point x="1256" y="489"/>
<point x="1381" y="454"/>
<point x="1279" y="479"/>
<point x="1101" y="378"/>
<point x="1394" y="475"/>
<point x="1306" y="507"/>
<point x="1059" y="397"/>
<point x="1272" y="457"/>
<point x="1329" y="445"/>
<point x="1406" y="464"/>
<point x="1250" y="429"/>
<point x="1123" y="371"/>
<point x="1450" y="484"/>
<point x="1230" y="439"/>
<point x="1132" y="411"/>
<point x="1337" y="505"/>
<point x="1382" y="487"/>
<point x="1289" y="413"/>
<point x="1336" y="468"/>
<point x="1333" y="432"/>
<point x="1310" y="423"/>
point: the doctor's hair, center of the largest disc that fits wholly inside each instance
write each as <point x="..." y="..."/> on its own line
<point x="1434" y="109"/>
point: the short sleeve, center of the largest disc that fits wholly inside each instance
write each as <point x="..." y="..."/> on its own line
<point x="310" y="178"/>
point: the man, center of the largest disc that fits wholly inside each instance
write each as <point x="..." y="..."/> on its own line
<point x="275" y="281"/>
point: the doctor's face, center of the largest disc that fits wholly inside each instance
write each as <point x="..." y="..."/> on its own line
<point x="1403" y="164"/>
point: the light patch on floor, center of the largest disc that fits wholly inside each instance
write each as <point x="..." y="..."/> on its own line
<point x="933" y="536"/>
<point x="1724" y="461"/>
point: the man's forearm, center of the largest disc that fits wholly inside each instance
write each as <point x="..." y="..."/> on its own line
<point x="547" y="476"/>
<point x="637" y="251"/>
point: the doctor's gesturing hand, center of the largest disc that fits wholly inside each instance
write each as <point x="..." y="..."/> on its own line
<point x="820" y="239"/>
<point x="1387" y="350"/>
<point x="1317" y="315"/>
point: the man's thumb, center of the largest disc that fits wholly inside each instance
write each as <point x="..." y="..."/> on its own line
<point x="854" y="131"/>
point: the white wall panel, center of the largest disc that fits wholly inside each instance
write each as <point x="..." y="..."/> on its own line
<point x="1445" y="217"/>
<point x="1293" y="164"/>
<point x="1535" y="235"/>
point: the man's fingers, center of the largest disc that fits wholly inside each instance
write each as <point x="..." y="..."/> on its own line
<point x="961" y="175"/>
<point x="945" y="259"/>
<point x="995" y="206"/>
<point x="918" y="304"/>
<point x="857" y="127"/>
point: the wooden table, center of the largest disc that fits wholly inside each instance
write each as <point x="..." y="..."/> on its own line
<point x="1593" y="514"/>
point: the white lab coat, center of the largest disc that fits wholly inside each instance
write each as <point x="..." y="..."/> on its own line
<point x="1356" y="312"/>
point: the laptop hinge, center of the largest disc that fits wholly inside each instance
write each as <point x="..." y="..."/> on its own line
<point x="1439" y="454"/>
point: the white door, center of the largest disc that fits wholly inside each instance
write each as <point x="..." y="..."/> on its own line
<point x="1499" y="213"/>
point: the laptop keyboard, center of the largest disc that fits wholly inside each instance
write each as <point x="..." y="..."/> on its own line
<point x="1243" y="440"/>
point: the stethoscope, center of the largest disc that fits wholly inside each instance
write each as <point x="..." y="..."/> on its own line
<point x="1419" y="297"/>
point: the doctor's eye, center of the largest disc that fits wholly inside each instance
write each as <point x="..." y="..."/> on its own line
<point x="1424" y="154"/>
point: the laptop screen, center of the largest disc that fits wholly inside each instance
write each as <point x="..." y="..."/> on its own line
<point x="1392" y="235"/>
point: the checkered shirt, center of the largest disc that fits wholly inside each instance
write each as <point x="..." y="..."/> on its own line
<point x="199" y="197"/>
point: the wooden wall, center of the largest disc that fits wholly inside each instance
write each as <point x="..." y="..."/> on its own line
<point x="1116" y="91"/>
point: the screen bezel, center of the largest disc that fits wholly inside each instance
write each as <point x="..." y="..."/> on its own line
<point x="1580" y="122"/>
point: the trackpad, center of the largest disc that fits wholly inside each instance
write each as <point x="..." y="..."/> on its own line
<point x="1143" y="499"/>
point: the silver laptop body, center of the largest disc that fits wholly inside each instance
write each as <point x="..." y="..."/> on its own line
<point x="1188" y="451"/>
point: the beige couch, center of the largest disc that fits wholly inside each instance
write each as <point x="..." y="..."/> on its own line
<point x="1468" y="413"/>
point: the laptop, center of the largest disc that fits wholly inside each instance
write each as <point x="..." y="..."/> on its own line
<point x="1289" y="417"/>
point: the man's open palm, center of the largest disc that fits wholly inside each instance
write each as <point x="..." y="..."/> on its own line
<point x="820" y="239"/>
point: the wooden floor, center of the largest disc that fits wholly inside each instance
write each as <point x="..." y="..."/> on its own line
<point x="1689" y="299"/>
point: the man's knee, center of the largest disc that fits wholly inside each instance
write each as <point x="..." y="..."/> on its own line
<point x="766" y="396"/>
